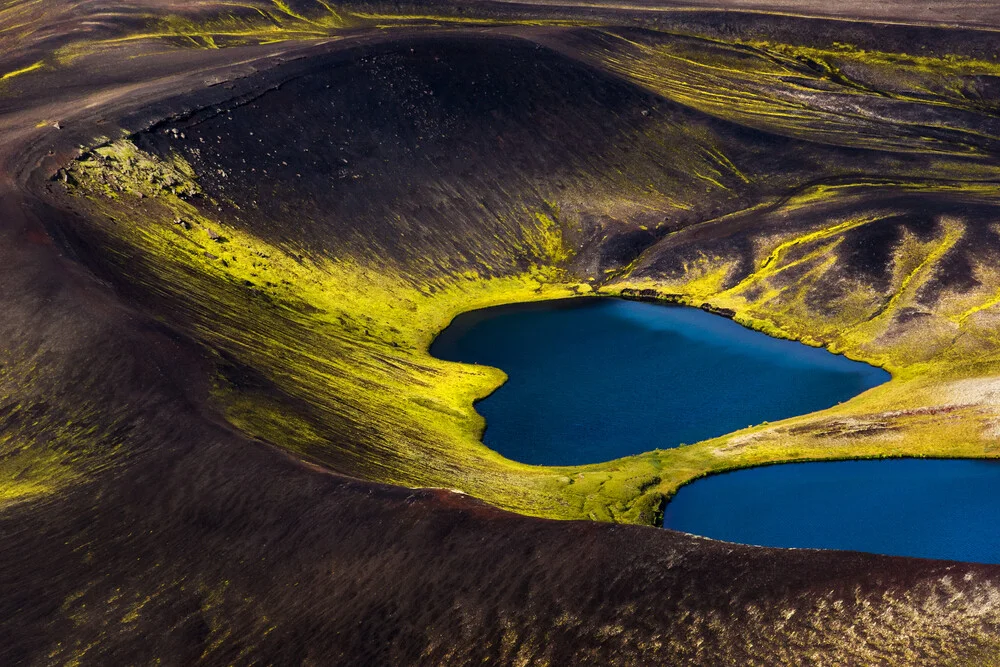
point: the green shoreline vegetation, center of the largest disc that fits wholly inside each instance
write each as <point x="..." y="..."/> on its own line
<point x="345" y="344"/>
<point x="326" y="357"/>
<point x="233" y="230"/>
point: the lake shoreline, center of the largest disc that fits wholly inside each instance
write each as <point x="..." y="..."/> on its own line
<point x="939" y="508"/>
<point x="650" y="344"/>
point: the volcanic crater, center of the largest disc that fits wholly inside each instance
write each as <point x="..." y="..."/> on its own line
<point x="230" y="234"/>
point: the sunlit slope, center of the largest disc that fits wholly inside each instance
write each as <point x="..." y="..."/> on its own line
<point x="212" y="313"/>
<point x="901" y="275"/>
<point x="314" y="238"/>
<point x="840" y="94"/>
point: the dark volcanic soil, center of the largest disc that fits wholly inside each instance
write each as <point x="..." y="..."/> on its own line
<point x="176" y="539"/>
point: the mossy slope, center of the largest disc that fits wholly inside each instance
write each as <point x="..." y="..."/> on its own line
<point x="314" y="240"/>
<point x="145" y="528"/>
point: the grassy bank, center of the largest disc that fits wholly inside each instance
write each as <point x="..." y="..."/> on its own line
<point x="314" y="354"/>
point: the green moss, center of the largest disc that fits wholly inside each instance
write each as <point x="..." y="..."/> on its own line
<point x="20" y="72"/>
<point x="29" y="474"/>
<point x="776" y="87"/>
<point x="242" y="24"/>
<point x="340" y="344"/>
<point x="343" y="345"/>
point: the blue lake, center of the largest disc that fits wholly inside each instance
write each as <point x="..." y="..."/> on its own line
<point x="904" y="507"/>
<point x="596" y="379"/>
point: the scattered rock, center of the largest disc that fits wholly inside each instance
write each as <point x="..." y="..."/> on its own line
<point x="640" y="295"/>
<point x="716" y="310"/>
<point x="57" y="125"/>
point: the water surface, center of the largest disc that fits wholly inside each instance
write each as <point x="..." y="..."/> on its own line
<point x="596" y="379"/>
<point x="904" y="507"/>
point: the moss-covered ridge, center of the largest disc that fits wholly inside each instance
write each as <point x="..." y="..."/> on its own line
<point x="314" y="355"/>
<point x="262" y="237"/>
<point x="162" y="533"/>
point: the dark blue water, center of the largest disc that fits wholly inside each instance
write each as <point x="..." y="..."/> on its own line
<point x="904" y="507"/>
<point x="597" y="379"/>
